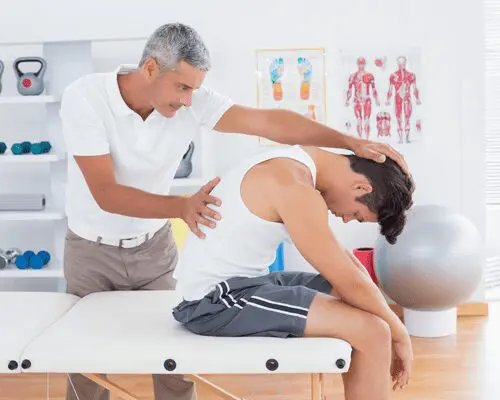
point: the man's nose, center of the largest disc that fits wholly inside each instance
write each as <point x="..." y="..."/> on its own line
<point x="187" y="100"/>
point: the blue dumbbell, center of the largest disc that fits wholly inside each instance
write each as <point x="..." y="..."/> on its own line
<point x="22" y="262"/>
<point x="45" y="256"/>
<point x="46" y="146"/>
<point x="36" y="262"/>
<point x="26" y="146"/>
<point x="36" y="148"/>
<point x="28" y="254"/>
<point x="3" y="147"/>
<point x="17" y="149"/>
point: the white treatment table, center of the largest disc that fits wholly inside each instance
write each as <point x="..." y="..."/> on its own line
<point x="133" y="332"/>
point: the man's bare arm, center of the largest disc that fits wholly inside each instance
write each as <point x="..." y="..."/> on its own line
<point x="289" y="127"/>
<point x="120" y="199"/>
<point x="304" y="212"/>
<point x="125" y="200"/>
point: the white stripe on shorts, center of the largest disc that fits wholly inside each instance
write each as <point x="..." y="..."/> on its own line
<point x="276" y="311"/>
<point x="279" y="304"/>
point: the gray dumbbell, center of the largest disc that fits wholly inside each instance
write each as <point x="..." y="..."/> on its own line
<point x="9" y="256"/>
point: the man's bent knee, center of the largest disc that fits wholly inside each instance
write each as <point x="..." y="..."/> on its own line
<point x="329" y="317"/>
<point x="375" y="332"/>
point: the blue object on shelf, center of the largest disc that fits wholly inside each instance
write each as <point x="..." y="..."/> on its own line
<point x="36" y="262"/>
<point x="22" y="262"/>
<point x="45" y="256"/>
<point x="278" y="264"/>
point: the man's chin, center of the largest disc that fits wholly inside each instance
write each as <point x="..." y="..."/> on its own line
<point x="168" y="112"/>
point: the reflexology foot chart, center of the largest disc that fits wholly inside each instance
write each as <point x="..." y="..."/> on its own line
<point x="292" y="79"/>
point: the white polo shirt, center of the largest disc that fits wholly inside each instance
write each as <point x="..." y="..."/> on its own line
<point x="146" y="154"/>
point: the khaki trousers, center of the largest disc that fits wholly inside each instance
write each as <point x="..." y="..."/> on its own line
<point x="92" y="267"/>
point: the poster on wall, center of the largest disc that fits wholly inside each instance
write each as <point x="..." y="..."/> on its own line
<point x="381" y="94"/>
<point x="292" y="79"/>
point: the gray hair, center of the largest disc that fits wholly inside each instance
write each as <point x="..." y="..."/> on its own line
<point x="175" y="42"/>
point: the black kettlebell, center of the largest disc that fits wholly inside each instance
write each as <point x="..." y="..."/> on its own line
<point x="186" y="166"/>
<point x="30" y="83"/>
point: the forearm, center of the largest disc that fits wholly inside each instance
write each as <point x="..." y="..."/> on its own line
<point x="288" y="127"/>
<point x="132" y="202"/>
<point x="357" y="263"/>
<point x="362" y="293"/>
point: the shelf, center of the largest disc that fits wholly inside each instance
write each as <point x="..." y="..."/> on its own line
<point x="8" y="157"/>
<point x="52" y="270"/>
<point x="19" y="99"/>
<point x="49" y="214"/>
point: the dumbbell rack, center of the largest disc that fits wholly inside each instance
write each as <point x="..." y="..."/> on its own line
<point x="36" y="118"/>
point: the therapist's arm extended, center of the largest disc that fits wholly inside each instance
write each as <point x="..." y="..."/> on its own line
<point x="290" y="127"/>
<point x="120" y="199"/>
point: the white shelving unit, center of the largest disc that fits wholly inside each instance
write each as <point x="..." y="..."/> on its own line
<point x="8" y="157"/>
<point x="36" y="118"/>
<point x="43" y="99"/>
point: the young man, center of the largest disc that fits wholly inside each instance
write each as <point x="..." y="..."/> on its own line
<point x="282" y="194"/>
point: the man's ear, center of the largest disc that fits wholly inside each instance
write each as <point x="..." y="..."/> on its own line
<point x="362" y="188"/>
<point x="150" y="68"/>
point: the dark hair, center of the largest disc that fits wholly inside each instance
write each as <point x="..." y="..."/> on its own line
<point x="391" y="196"/>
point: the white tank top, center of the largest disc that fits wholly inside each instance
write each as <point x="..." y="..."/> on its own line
<point x="242" y="244"/>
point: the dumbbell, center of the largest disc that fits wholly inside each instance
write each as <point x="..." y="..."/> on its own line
<point x="3" y="147"/>
<point x="41" y="148"/>
<point x="31" y="260"/>
<point x="46" y="146"/>
<point x="21" y="148"/>
<point x="8" y="256"/>
<point x="39" y="260"/>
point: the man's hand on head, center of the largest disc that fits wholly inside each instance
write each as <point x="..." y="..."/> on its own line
<point x="195" y="209"/>
<point x="378" y="152"/>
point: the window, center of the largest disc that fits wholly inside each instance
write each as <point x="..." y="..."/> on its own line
<point x="492" y="101"/>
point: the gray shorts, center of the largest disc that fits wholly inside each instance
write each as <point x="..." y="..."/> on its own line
<point x="272" y="305"/>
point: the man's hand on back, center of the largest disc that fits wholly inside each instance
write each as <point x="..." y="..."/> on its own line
<point x="195" y="208"/>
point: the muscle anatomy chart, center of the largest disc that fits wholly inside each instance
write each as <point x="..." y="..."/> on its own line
<point x="381" y="95"/>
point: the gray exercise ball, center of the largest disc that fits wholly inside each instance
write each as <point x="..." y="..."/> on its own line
<point x="436" y="263"/>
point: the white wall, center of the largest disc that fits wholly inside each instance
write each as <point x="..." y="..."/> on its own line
<point x="449" y="33"/>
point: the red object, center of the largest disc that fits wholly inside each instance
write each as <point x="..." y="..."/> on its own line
<point x="365" y="256"/>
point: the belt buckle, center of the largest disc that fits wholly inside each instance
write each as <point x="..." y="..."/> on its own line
<point x="120" y="242"/>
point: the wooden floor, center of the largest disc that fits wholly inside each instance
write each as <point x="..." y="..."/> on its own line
<point x="462" y="367"/>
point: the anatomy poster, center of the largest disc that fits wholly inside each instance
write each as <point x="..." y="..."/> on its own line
<point x="381" y="95"/>
<point x="292" y="79"/>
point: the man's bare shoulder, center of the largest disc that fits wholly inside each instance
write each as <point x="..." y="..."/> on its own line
<point x="268" y="182"/>
<point x="285" y="172"/>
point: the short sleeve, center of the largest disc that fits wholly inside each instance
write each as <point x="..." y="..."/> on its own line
<point x="82" y="128"/>
<point x="209" y="106"/>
